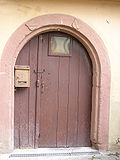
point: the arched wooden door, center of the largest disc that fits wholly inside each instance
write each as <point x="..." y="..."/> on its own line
<point x="56" y="110"/>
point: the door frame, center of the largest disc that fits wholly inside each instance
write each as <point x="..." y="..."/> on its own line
<point x="101" y="73"/>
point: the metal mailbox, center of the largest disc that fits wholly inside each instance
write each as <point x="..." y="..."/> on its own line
<point x="22" y="76"/>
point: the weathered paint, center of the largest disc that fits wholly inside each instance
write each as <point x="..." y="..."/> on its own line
<point x="63" y="111"/>
<point x="101" y="68"/>
<point x="4" y="112"/>
<point x="102" y="16"/>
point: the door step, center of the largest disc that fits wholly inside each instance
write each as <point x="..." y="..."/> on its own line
<point x="52" y="152"/>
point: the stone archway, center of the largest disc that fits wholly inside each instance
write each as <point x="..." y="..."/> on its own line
<point x="101" y="73"/>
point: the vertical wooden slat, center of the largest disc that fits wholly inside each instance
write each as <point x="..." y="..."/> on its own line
<point x="22" y="103"/>
<point x="38" y="90"/>
<point x="49" y="98"/>
<point x="73" y="96"/>
<point x="85" y="78"/>
<point x="32" y="90"/>
<point x="63" y="102"/>
<point x="17" y="114"/>
<point x="16" y="121"/>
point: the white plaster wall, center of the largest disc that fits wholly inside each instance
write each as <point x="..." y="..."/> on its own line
<point x="103" y="16"/>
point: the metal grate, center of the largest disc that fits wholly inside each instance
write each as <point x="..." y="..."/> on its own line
<point x="54" y="154"/>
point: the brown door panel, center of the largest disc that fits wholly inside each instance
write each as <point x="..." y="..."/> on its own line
<point x="56" y="110"/>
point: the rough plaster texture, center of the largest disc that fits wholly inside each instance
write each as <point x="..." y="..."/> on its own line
<point x="102" y="16"/>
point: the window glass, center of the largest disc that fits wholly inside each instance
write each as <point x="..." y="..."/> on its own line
<point x="60" y="45"/>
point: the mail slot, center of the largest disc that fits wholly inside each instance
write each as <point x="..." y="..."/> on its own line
<point x="22" y="76"/>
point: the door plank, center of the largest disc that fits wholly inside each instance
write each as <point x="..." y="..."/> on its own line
<point x="17" y="120"/>
<point x="49" y="99"/>
<point x="22" y="105"/>
<point x="63" y="102"/>
<point x="38" y="90"/>
<point x="73" y="96"/>
<point x="32" y="90"/>
<point x="85" y="91"/>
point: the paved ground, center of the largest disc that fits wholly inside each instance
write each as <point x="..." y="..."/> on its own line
<point x="61" y="154"/>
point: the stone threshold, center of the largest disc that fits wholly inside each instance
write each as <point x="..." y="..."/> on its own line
<point x="45" y="152"/>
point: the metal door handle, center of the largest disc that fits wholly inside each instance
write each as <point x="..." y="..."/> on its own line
<point x="39" y="72"/>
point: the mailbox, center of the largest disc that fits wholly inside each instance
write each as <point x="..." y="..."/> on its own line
<point x="22" y="76"/>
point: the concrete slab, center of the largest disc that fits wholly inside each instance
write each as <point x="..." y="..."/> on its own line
<point x="56" y="150"/>
<point x="82" y="153"/>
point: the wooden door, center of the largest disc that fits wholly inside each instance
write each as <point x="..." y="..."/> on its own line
<point x="56" y="110"/>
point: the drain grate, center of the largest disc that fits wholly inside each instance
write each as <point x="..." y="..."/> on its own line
<point x="53" y="154"/>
